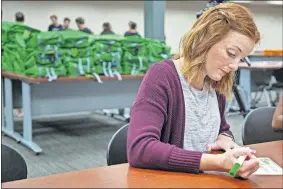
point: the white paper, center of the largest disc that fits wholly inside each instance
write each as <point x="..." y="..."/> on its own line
<point x="268" y="167"/>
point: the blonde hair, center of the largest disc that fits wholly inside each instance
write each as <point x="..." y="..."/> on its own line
<point x="210" y="28"/>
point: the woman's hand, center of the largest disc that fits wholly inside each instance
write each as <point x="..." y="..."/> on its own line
<point x="250" y="165"/>
<point x="222" y="143"/>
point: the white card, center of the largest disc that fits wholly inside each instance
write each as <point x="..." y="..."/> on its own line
<point x="268" y="167"/>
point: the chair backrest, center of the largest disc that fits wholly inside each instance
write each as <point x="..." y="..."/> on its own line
<point x="13" y="165"/>
<point x="257" y="127"/>
<point x="117" y="147"/>
<point x="278" y="74"/>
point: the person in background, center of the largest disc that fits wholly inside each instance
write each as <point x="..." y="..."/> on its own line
<point x="106" y="29"/>
<point x="277" y="121"/>
<point x="81" y="25"/>
<point x="132" y="29"/>
<point x="178" y="115"/>
<point x="20" y="17"/>
<point x="54" y="26"/>
<point x="66" y="23"/>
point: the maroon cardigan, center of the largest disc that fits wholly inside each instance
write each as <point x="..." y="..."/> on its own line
<point x="156" y="130"/>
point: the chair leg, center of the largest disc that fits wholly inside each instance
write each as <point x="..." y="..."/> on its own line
<point x="266" y="95"/>
<point x="257" y="97"/>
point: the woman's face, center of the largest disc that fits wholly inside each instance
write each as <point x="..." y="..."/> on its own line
<point x="224" y="56"/>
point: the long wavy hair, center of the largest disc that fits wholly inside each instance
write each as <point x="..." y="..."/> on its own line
<point x="211" y="27"/>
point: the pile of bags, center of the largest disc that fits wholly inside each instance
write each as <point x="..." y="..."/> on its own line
<point x="135" y="59"/>
<point x="44" y="57"/>
<point x="77" y="54"/>
<point x="157" y="50"/>
<point x="71" y="53"/>
<point x="107" y="54"/>
<point x="15" y="39"/>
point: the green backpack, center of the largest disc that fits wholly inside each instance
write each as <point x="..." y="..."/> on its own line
<point x="78" y="55"/>
<point x="11" y="29"/>
<point x="74" y="39"/>
<point x="12" y="61"/>
<point x="83" y="67"/>
<point x="157" y="50"/>
<point x="32" y="68"/>
<point x="48" y="38"/>
<point x="46" y="60"/>
<point x="135" y="59"/>
<point x="108" y="52"/>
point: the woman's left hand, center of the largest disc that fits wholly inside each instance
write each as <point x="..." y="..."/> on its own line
<point x="222" y="143"/>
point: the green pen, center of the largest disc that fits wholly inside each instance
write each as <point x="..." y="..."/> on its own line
<point x="237" y="166"/>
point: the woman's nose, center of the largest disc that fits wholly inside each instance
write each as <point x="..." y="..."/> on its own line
<point x="233" y="66"/>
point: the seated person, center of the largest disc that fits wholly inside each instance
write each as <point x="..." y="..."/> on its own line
<point x="178" y="114"/>
<point x="277" y="122"/>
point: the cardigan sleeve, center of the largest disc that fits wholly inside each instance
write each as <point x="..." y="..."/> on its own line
<point x="148" y="115"/>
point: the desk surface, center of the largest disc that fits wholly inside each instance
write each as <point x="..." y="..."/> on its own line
<point x="124" y="176"/>
<point x="79" y="78"/>
<point x="265" y="65"/>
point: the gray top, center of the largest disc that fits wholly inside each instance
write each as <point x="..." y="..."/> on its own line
<point x="202" y="122"/>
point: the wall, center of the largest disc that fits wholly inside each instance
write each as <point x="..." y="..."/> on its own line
<point x="179" y="17"/>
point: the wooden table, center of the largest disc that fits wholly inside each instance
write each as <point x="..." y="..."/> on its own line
<point x="124" y="176"/>
<point x="66" y="95"/>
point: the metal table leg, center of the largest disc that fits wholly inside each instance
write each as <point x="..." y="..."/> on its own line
<point x="8" y="125"/>
<point x="245" y="84"/>
<point x="27" y="123"/>
<point x="3" y="106"/>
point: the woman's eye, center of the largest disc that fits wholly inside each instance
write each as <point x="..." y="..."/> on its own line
<point x="231" y="55"/>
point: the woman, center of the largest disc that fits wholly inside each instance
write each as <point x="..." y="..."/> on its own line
<point x="178" y="113"/>
<point x="277" y="122"/>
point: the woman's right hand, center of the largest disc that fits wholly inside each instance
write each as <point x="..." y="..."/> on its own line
<point x="250" y="165"/>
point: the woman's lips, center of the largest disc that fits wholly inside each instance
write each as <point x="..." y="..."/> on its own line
<point x="223" y="72"/>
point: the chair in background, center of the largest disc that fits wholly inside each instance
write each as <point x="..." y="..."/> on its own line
<point x="13" y="165"/>
<point x="261" y="83"/>
<point x="117" y="147"/>
<point x="257" y="127"/>
<point x="264" y="84"/>
<point x="277" y="84"/>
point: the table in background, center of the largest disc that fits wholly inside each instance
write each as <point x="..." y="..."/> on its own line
<point x="257" y="63"/>
<point x="39" y="97"/>
<point x="124" y="176"/>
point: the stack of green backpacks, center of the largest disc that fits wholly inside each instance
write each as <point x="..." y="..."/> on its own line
<point x="77" y="54"/>
<point x="134" y="61"/>
<point x="15" y="37"/>
<point x="107" y="54"/>
<point x="44" y="57"/>
<point x="157" y="50"/>
<point x="28" y="51"/>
